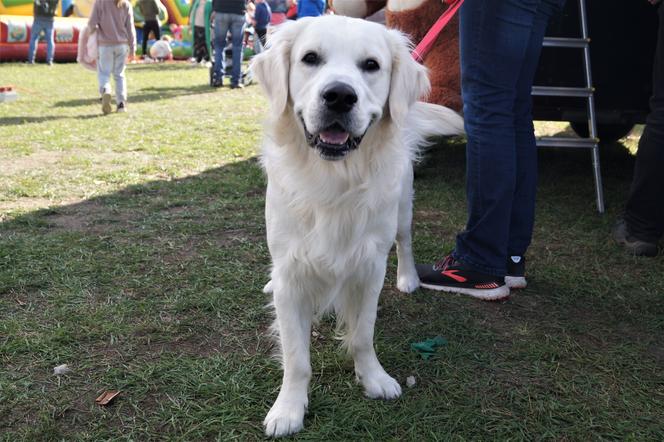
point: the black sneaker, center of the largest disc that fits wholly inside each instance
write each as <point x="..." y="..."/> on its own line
<point x="632" y="245"/>
<point x="451" y="275"/>
<point x="516" y="272"/>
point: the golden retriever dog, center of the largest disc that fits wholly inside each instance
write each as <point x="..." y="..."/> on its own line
<point x="340" y="140"/>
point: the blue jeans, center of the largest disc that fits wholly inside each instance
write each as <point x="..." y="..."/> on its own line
<point x="41" y="24"/>
<point x="112" y="61"/>
<point x="500" y="44"/>
<point x="222" y="24"/>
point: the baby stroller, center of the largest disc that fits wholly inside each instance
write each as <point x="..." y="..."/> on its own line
<point x="246" y="77"/>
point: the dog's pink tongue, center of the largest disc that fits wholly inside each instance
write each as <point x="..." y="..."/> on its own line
<point x="333" y="137"/>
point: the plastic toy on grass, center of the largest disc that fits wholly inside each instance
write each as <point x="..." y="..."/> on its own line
<point x="8" y="93"/>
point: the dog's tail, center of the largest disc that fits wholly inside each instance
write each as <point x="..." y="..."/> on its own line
<point x="426" y="120"/>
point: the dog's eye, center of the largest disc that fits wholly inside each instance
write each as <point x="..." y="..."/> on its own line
<point x="370" y="65"/>
<point x="311" y="58"/>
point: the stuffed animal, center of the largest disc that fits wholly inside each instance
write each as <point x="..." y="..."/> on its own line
<point x="415" y="18"/>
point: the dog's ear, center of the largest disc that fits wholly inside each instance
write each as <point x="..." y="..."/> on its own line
<point x="409" y="81"/>
<point x="272" y="66"/>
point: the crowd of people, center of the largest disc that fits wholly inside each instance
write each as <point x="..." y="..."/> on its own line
<point x="213" y="23"/>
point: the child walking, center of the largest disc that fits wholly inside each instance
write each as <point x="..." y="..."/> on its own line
<point x="201" y="10"/>
<point x="113" y="20"/>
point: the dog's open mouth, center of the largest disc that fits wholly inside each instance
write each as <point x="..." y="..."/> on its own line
<point x="334" y="142"/>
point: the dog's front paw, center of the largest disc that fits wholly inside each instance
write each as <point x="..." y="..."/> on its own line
<point x="268" y="287"/>
<point x="380" y="385"/>
<point x="284" y="418"/>
<point x="408" y="283"/>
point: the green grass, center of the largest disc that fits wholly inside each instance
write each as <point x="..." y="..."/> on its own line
<point x="132" y="249"/>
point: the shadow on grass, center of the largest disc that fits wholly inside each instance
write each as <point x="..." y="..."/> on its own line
<point x="17" y="120"/>
<point x="144" y="95"/>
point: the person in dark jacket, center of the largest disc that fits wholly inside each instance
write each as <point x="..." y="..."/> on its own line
<point x="642" y="224"/>
<point x="150" y="11"/>
<point x="228" y="16"/>
<point x="262" y="18"/>
<point x="43" y="11"/>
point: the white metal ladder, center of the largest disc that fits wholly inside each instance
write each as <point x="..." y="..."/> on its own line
<point x="592" y="142"/>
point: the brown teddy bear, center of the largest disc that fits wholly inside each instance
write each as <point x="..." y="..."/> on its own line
<point x="415" y="18"/>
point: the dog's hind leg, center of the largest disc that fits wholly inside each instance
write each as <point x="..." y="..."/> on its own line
<point x="407" y="279"/>
<point x="359" y="317"/>
<point x="294" y="316"/>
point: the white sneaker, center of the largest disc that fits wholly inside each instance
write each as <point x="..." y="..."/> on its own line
<point x="106" y="103"/>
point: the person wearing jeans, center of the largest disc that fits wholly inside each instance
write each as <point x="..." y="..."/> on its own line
<point x="500" y="45"/>
<point x="113" y="20"/>
<point x="642" y="224"/>
<point x="112" y="62"/>
<point x="229" y="16"/>
<point x="44" y="11"/>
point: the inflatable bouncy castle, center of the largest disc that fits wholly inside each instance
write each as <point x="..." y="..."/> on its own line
<point x="16" y="23"/>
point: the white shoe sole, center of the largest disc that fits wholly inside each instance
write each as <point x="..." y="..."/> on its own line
<point x="106" y="103"/>
<point x="496" y="294"/>
<point x="516" y="282"/>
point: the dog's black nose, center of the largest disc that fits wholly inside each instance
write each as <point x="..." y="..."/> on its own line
<point x="339" y="97"/>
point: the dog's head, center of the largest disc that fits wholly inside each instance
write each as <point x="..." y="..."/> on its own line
<point x="337" y="76"/>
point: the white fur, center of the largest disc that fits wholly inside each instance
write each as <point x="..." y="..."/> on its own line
<point x="331" y="224"/>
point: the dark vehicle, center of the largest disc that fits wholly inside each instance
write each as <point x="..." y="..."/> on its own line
<point x="623" y="36"/>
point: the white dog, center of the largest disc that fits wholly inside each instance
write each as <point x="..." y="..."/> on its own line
<point x="338" y="150"/>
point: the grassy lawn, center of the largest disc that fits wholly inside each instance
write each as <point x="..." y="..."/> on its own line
<point x="132" y="249"/>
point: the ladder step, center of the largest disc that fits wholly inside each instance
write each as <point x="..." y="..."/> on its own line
<point x="587" y="143"/>
<point x="563" y="91"/>
<point x="563" y="42"/>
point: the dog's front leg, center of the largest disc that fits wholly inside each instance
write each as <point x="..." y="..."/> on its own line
<point x="294" y="314"/>
<point x="376" y="382"/>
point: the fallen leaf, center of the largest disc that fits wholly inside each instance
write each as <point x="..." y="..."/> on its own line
<point x="106" y="397"/>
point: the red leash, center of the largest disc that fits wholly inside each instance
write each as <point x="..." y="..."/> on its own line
<point x="423" y="48"/>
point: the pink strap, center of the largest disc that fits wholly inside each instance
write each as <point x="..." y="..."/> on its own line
<point x="425" y="45"/>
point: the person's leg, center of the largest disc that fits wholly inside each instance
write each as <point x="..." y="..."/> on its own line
<point x="120" y="53"/>
<point x="104" y="69"/>
<point x="644" y="211"/>
<point x="146" y="35"/>
<point x="523" y="206"/>
<point x="262" y="35"/>
<point x="156" y="30"/>
<point x="199" y="36"/>
<point x="49" y="33"/>
<point x="237" y="29"/>
<point x="221" y="27"/>
<point x="35" y="30"/>
<point x="494" y="41"/>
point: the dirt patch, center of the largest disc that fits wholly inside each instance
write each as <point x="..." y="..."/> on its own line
<point x="38" y="160"/>
<point x="25" y="204"/>
<point x="89" y="216"/>
<point x="49" y="159"/>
